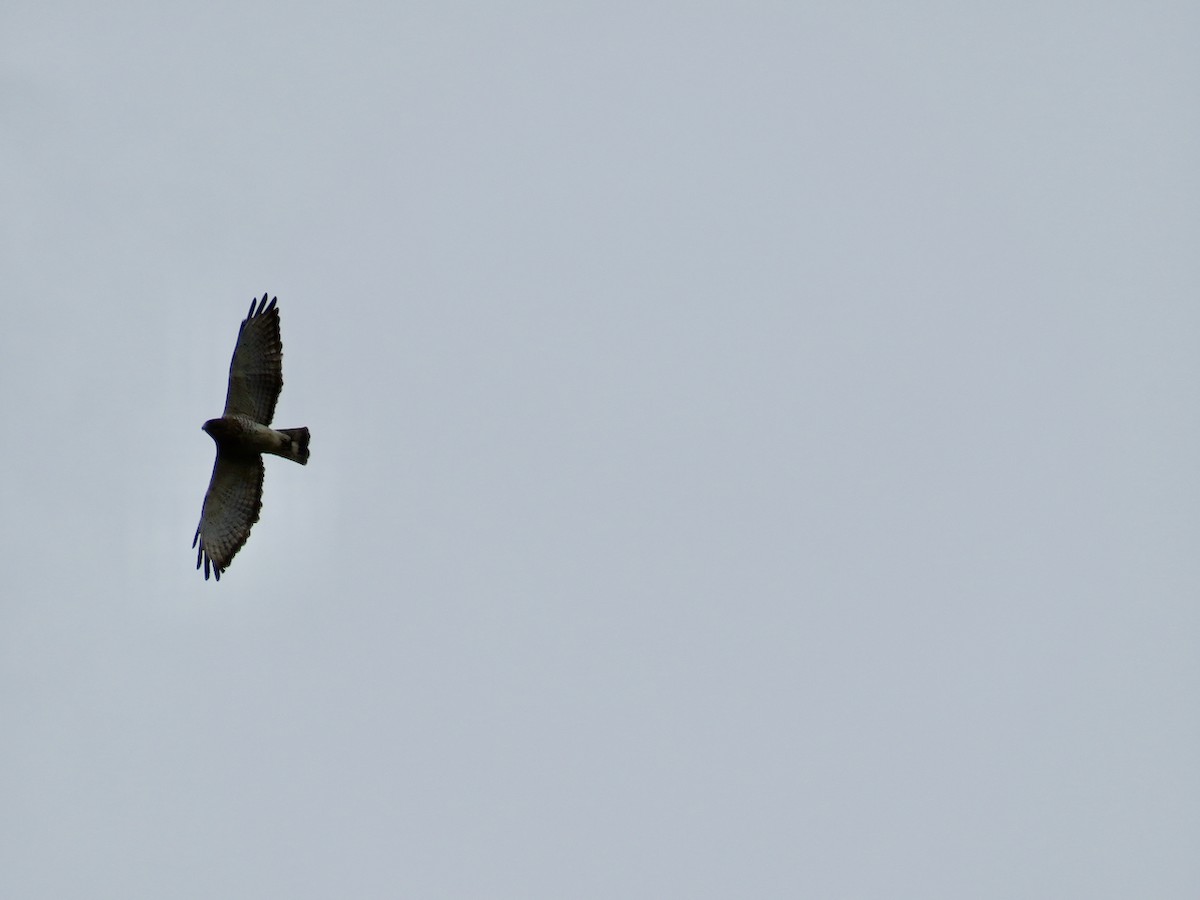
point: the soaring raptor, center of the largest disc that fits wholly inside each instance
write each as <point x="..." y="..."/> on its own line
<point x="243" y="434"/>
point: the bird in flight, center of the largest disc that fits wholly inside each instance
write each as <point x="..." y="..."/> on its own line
<point x="243" y="434"/>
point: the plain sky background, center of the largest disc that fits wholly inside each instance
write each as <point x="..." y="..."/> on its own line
<point x="754" y="450"/>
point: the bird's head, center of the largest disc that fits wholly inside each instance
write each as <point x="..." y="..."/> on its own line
<point x="218" y="429"/>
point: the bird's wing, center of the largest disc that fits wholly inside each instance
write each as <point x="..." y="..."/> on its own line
<point x="231" y="507"/>
<point x="256" y="372"/>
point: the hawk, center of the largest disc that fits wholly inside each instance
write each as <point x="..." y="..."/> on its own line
<point x="243" y="434"/>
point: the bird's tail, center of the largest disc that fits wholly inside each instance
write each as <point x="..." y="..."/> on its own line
<point x="297" y="450"/>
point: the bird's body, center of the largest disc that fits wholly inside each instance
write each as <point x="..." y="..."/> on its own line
<point x="242" y="435"/>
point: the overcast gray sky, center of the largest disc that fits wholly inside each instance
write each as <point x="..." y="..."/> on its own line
<point x="754" y="450"/>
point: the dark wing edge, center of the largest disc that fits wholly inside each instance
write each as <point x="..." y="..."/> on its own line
<point x="231" y="507"/>
<point x="201" y="555"/>
<point x="256" y="369"/>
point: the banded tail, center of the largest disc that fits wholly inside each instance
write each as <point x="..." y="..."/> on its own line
<point x="297" y="451"/>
